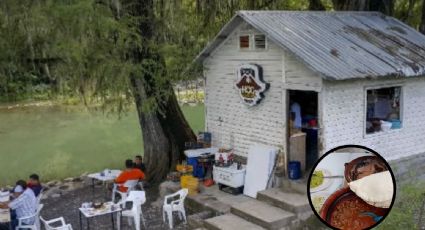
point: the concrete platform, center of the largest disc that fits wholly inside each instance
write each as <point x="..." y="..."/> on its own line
<point x="293" y="202"/>
<point x="263" y="214"/>
<point x="230" y="222"/>
<point x="214" y="200"/>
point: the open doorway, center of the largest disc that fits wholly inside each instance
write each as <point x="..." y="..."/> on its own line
<point x="303" y="128"/>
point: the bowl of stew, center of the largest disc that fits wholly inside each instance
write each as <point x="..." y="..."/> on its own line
<point x="345" y="210"/>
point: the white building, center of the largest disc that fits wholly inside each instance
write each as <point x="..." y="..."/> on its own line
<point x="347" y="70"/>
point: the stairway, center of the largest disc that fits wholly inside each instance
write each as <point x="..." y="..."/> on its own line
<point x="273" y="209"/>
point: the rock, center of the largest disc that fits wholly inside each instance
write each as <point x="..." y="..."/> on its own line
<point x="52" y="191"/>
<point x="168" y="187"/>
<point x="69" y="179"/>
<point x="75" y="185"/>
<point x="77" y="179"/>
<point x="52" y="183"/>
<point x="63" y="187"/>
<point x="56" y="195"/>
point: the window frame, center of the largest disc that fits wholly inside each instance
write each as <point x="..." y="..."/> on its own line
<point x="265" y="42"/>
<point x="251" y="39"/>
<point x="249" y="42"/>
<point x="382" y="86"/>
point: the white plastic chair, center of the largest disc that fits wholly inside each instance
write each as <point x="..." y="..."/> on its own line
<point x="176" y="204"/>
<point x="137" y="198"/>
<point x="130" y="185"/>
<point x="35" y="217"/>
<point x="48" y="224"/>
<point x="40" y="195"/>
<point x="141" y="185"/>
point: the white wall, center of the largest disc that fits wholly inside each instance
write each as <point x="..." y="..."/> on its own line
<point x="298" y="76"/>
<point x="343" y="117"/>
<point x="243" y="125"/>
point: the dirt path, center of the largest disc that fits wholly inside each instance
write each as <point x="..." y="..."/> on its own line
<point x="67" y="206"/>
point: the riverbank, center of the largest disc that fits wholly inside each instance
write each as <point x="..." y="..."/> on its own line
<point x="58" y="141"/>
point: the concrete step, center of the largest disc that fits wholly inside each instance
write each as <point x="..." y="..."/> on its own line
<point x="298" y="186"/>
<point x="197" y="220"/>
<point x="229" y="222"/>
<point x="293" y="202"/>
<point x="263" y="214"/>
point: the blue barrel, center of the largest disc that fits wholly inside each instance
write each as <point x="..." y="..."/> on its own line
<point x="294" y="170"/>
<point x="194" y="162"/>
<point x="199" y="172"/>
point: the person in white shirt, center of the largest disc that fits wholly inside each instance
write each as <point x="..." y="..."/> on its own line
<point x="24" y="203"/>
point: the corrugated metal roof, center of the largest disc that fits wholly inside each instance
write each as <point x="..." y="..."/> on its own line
<point x="339" y="45"/>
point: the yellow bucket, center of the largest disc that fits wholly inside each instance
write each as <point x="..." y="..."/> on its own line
<point x="191" y="183"/>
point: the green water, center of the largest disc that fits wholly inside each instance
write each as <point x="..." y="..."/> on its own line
<point x="61" y="141"/>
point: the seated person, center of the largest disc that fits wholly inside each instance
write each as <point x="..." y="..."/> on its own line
<point x="138" y="163"/>
<point x="130" y="173"/>
<point x="24" y="203"/>
<point x="35" y="185"/>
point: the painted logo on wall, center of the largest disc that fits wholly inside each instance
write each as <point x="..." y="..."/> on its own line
<point x="250" y="83"/>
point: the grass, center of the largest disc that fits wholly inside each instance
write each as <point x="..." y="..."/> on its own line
<point x="406" y="209"/>
<point x="62" y="141"/>
<point x="404" y="213"/>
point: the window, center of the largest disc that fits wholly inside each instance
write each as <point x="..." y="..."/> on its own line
<point x="383" y="109"/>
<point x="260" y="41"/>
<point x="244" y="42"/>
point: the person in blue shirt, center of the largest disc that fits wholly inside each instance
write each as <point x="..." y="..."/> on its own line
<point x="138" y="163"/>
<point x="34" y="184"/>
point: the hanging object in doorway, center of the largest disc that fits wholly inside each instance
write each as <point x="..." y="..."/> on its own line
<point x="250" y="83"/>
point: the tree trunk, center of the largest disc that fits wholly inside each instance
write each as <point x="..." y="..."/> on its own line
<point x="163" y="135"/>
<point x="422" y="25"/>
<point x="251" y="5"/>
<point x="384" y="6"/>
<point x="410" y="10"/>
<point x="164" y="131"/>
<point x="316" y="5"/>
<point x="406" y="16"/>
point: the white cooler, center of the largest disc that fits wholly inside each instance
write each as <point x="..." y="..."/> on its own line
<point x="230" y="176"/>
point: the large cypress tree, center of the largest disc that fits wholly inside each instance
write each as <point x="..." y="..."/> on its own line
<point x="164" y="128"/>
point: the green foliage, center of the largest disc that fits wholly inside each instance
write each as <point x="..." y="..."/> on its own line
<point x="81" y="48"/>
<point x="401" y="11"/>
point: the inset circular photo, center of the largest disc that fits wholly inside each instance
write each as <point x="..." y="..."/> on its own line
<point x="351" y="187"/>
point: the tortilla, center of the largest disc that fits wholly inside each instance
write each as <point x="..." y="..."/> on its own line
<point x="376" y="189"/>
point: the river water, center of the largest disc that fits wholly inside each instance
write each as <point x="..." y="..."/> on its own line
<point x="61" y="141"/>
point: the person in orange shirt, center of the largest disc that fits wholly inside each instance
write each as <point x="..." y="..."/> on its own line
<point x="130" y="173"/>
